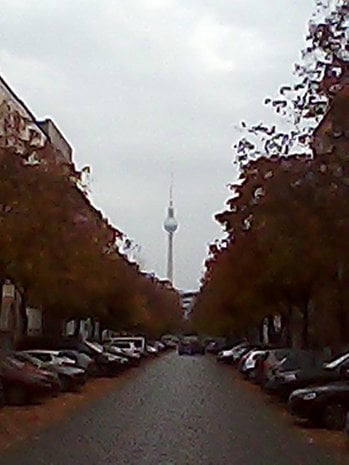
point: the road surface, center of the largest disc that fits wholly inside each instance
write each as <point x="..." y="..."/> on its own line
<point x="174" y="411"/>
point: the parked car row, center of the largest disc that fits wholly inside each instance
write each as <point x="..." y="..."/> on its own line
<point x="31" y="374"/>
<point x="313" y="388"/>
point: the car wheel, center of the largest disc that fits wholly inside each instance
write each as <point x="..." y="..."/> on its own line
<point x="333" y="416"/>
<point x="16" y="395"/>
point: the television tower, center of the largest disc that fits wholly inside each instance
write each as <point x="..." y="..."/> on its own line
<point x="170" y="226"/>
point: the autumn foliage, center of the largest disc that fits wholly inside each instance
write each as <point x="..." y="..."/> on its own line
<point x="64" y="255"/>
<point x="287" y="221"/>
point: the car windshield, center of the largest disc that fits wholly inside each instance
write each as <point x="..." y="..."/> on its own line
<point x="337" y="361"/>
<point x="95" y="346"/>
<point x="122" y="344"/>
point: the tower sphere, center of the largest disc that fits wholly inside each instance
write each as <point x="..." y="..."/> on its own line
<point x="170" y="225"/>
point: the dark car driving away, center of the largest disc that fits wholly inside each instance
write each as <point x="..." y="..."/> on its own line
<point x="191" y="345"/>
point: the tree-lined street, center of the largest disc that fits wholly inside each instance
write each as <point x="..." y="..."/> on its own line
<point x="175" y="411"/>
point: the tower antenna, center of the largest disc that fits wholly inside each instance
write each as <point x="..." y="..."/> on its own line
<point x="171" y="190"/>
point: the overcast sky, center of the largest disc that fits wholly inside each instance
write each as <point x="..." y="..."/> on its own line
<point x="141" y="88"/>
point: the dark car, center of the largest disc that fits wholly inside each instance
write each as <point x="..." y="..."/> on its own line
<point x="110" y="364"/>
<point x="267" y="363"/>
<point x="248" y="362"/>
<point x="215" y="345"/>
<point x="81" y="360"/>
<point x="106" y="364"/>
<point x="71" y="378"/>
<point x="22" y="382"/>
<point x="234" y="354"/>
<point x="133" y="358"/>
<point x="191" y="346"/>
<point x="325" y="405"/>
<point x="51" y="376"/>
<point x="170" y="341"/>
<point x="303" y="371"/>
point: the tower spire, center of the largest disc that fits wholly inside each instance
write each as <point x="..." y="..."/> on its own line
<point x="171" y="191"/>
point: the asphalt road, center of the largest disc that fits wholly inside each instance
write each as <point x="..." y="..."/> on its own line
<point x="174" y="411"/>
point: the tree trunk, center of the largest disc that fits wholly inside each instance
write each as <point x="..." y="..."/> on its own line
<point x="305" y="327"/>
<point x="23" y="314"/>
<point x="51" y="325"/>
<point x="77" y="327"/>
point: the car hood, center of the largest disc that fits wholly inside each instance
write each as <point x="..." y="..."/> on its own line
<point x="340" y="386"/>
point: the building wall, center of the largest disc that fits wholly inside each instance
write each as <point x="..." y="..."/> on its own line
<point x="11" y="323"/>
<point x="18" y="126"/>
<point x="57" y="140"/>
<point x="187" y="302"/>
<point x="17" y="123"/>
<point x="34" y="323"/>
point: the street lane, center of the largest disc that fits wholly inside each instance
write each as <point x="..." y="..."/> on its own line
<point x="174" y="411"/>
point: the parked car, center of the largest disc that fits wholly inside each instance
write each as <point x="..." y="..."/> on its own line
<point x="268" y="361"/>
<point x="51" y="356"/>
<point x="325" y="405"/>
<point x="82" y="360"/>
<point x="159" y="345"/>
<point x="217" y="345"/>
<point x="151" y="349"/>
<point x="116" y="362"/>
<point x="107" y="364"/>
<point x="136" y="342"/>
<point x="22" y="382"/>
<point x="132" y="356"/>
<point x="249" y="360"/>
<point x="304" y="370"/>
<point x="127" y="345"/>
<point x="233" y="354"/>
<point x="71" y="378"/>
<point x="170" y="341"/>
<point x="51" y="375"/>
<point x="190" y="345"/>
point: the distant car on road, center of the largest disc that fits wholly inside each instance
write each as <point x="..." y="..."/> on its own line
<point x="191" y="345"/>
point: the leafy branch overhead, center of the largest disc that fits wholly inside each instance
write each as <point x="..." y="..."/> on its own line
<point x="302" y="104"/>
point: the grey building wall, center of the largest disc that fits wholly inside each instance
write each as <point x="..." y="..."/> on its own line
<point x="57" y="139"/>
